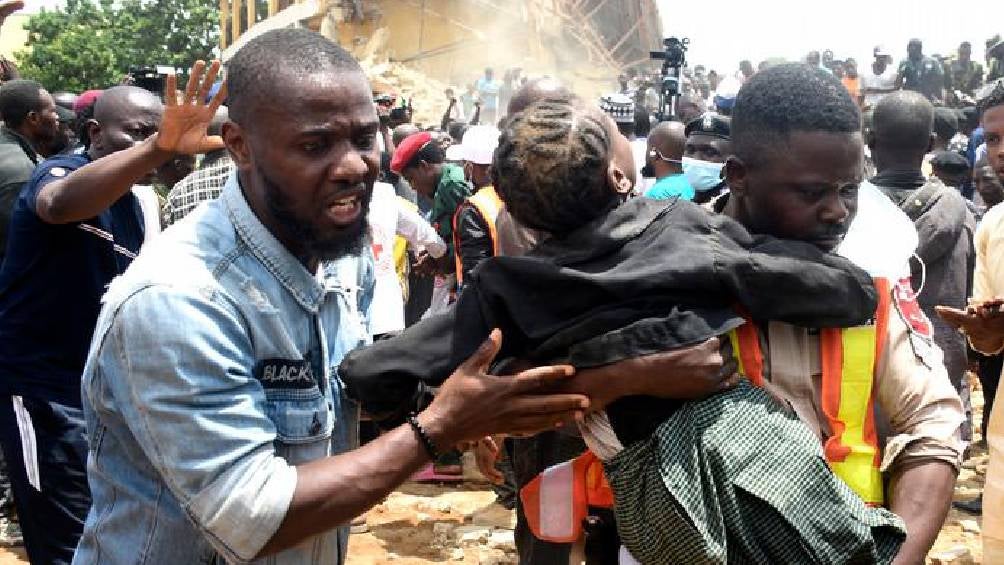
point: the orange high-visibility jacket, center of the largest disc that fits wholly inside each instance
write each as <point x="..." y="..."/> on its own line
<point x="487" y="202"/>
<point x="558" y="500"/>
<point x="849" y="359"/>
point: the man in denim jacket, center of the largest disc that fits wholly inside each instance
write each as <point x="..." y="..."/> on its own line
<point x="217" y="428"/>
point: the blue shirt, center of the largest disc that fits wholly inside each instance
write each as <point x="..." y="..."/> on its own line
<point x="671" y="186"/>
<point x="489" y="90"/>
<point x="975" y="140"/>
<point x="211" y="375"/>
<point x="51" y="284"/>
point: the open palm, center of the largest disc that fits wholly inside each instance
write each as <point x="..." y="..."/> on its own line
<point x="183" y="127"/>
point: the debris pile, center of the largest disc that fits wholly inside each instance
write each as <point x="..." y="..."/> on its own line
<point x="426" y="94"/>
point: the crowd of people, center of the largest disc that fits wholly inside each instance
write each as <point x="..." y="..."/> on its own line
<point x="739" y="330"/>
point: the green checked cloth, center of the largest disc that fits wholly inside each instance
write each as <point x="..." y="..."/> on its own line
<point x="733" y="479"/>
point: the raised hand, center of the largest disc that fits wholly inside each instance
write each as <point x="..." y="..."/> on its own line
<point x="183" y="127"/>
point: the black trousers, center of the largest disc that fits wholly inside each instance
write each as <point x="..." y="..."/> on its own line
<point x="989" y="374"/>
<point x="46" y="450"/>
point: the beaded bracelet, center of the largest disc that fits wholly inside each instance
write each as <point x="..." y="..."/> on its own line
<point x="423" y="437"/>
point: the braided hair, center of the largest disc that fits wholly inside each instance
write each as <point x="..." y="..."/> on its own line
<point x="550" y="167"/>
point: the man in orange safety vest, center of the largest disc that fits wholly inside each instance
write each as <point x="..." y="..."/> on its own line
<point x="877" y="396"/>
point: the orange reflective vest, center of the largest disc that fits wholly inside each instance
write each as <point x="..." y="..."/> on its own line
<point x="556" y="501"/>
<point x="487" y="202"/>
<point x="849" y="359"/>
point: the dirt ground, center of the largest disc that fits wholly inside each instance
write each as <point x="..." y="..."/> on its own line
<point x="421" y="525"/>
<point x="429" y="524"/>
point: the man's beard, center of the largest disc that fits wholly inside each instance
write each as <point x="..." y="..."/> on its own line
<point x="315" y="244"/>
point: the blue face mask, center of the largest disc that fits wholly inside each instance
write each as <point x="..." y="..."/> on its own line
<point x="702" y="175"/>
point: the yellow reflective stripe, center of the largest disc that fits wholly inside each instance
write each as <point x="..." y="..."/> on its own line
<point x="734" y="338"/>
<point x="858" y="469"/>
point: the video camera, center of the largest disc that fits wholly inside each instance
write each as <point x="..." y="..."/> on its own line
<point x="674" y="59"/>
<point x="151" y="78"/>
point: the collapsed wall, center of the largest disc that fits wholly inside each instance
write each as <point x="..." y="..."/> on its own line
<point x="417" y="47"/>
<point x="427" y="94"/>
<point x="421" y="46"/>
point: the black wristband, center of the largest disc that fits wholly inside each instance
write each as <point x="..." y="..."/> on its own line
<point x="423" y="437"/>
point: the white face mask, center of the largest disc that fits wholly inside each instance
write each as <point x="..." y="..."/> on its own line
<point x="702" y="175"/>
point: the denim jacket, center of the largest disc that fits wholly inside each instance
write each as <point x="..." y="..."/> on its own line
<point x="211" y="375"/>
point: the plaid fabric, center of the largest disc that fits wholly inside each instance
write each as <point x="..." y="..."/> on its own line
<point x="198" y="187"/>
<point x="732" y="479"/>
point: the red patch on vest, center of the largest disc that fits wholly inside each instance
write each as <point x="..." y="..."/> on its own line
<point x="909" y="308"/>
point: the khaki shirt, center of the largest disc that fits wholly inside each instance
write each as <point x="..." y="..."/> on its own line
<point x="988" y="278"/>
<point x="988" y="283"/>
<point x="918" y="412"/>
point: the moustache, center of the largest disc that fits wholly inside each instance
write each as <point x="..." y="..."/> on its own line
<point x="828" y="233"/>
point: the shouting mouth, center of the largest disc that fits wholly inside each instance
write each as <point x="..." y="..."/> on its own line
<point x="346" y="211"/>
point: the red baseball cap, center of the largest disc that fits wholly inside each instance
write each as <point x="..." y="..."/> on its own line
<point x="86" y="99"/>
<point x="404" y="153"/>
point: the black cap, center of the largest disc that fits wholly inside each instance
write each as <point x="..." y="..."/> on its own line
<point x="950" y="162"/>
<point x="710" y="123"/>
<point x="65" y="115"/>
<point x="946" y="122"/>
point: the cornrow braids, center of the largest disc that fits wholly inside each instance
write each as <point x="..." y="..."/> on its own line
<point x="550" y="165"/>
<point x="995" y="98"/>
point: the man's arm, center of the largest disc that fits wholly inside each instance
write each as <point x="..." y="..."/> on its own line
<point x="476" y="119"/>
<point x="921" y="496"/>
<point x="412" y="226"/>
<point x="924" y="448"/>
<point x="177" y="381"/>
<point x="444" y="124"/>
<point x="682" y="374"/>
<point x="93" y="188"/>
<point x="469" y="406"/>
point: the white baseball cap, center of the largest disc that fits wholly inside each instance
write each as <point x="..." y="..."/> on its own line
<point x="479" y="143"/>
<point x="455" y="153"/>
